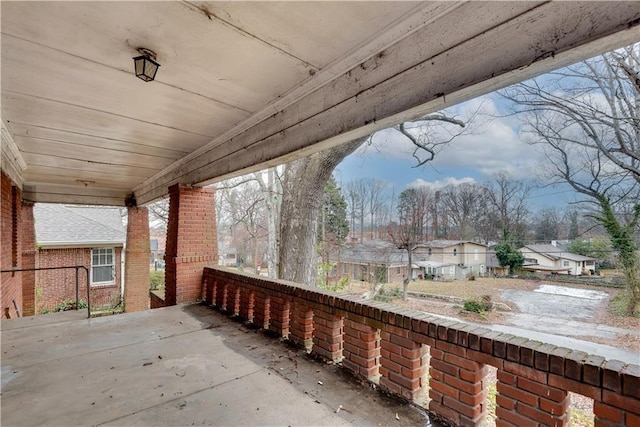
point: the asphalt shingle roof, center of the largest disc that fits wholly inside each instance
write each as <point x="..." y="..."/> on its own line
<point x="556" y="253"/>
<point x="77" y="225"/>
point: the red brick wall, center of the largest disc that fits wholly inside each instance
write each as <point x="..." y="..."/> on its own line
<point x="10" y="246"/>
<point x="136" y="283"/>
<point x="56" y="286"/>
<point x="191" y="242"/>
<point x="394" y="347"/>
<point x="28" y="260"/>
<point x="156" y="299"/>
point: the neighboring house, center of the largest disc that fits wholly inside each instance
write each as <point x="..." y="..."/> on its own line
<point x="157" y="244"/>
<point x="553" y="259"/>
<point x="78" y="235"/>
<point x="451" y="259"/>
<point x="227" y="256"/>
<point x="373" y="260"/>
<point x="439" y="259"/>
<point x="493" y="265"/>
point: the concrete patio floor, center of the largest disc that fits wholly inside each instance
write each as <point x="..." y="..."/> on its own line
<point x="181" y="365"/>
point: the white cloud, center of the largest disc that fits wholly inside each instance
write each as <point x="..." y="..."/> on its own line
<point x="493" y="144"/>
<point x="440" y="183"/>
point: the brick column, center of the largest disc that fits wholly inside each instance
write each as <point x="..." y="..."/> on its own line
<point x="261" y="310"/>
<point x="28" y="260"/>
<point x="10" y="247"/>
<point x="247" y="298"/>
<point x="137" y="258"/>
<point x="279" y="311"/>
<point x="361" y="349"/>
<point x="191" y="242"/>
<point x="301" y="332"/>
<point x="328" y="334"/>
<point x="458" y="390"/>
<point x="402" y="363"/>
<point x="529" y="400"/>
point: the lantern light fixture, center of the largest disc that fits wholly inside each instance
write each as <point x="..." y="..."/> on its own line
<point x="145" y="65"/>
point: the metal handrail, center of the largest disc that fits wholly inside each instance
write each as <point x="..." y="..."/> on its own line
<point x="77" y="268"/>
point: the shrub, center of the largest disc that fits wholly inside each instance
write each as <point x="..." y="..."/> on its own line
<point x="341" y="285"/>
<point x="69" y="305"/>
<point x="389" y="295"/>
<point x="156" y="280"/>
<point x="479" y="306"/>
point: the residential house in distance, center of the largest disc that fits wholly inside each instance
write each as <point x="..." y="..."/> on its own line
<point x="493" y="265"/>
<point x="377" y="260"/>
<point x="551" y="259"/>
<point x="157" y="245"/>
<point x="451" y="259"/>
<point x="438" y="259"/>
<point x="67" y="236"/>
<point x="227" y="256"/>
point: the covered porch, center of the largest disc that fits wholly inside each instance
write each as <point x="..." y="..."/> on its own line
<point x="181" y="365"/>
<point x="243" y="86"/>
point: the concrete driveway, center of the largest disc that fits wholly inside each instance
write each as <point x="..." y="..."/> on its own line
<point x="561" y="310"/>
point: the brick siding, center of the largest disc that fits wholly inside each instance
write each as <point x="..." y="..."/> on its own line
<point x="395" y="347"/>
<point x="29" y="255"/>
<point x="136" y="292"/>
<point x="191" y="242"/>
<point x="10" y="246"/>
<point x="56" y="286"/>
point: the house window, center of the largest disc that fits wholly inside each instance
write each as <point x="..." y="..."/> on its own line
<point x="565" y="263"/>
<point x="397" y="270"/>
<point x="344" y="269"/>
<point x="102" y="266"/>
<point x="429" y="251"/>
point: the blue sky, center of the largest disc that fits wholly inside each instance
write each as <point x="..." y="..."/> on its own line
<point x="493" y="145"/>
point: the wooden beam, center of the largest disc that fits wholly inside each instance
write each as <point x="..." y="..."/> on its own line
<point x="416" y="76"/>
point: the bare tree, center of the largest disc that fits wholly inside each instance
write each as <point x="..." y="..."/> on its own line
<point x="304" y="181"/>
<point x="508" y="197"/>
<point x="547" y="225"/>
<point x="587" y="120"/>
<point x="463" y="204"/>
<point x="303" y="184"/>
<point x="407" y="232"/>
<point x="375" y="203"/>
<point x="358" y="194"/>
<point x="429" y="136"/>
<point x="159" y="213"/>
<point x="272" y="190"/>
<point x="354" y="204"/>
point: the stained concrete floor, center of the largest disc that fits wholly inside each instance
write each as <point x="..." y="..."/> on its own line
<point x="183" y="365"/>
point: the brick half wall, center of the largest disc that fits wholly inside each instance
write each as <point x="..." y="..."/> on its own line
<point x="533" y="377"/>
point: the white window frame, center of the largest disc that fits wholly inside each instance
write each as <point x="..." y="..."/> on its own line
<point x="566" y="263"/>
<point x="104" y="251"/>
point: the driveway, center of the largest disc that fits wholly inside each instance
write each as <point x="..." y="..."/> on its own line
<point x="562" y="311"/>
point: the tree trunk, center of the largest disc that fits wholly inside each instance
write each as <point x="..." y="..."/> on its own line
<point x="405" y="283"/>
<point x="272" y="191"/>
<point x="302" y="189"/>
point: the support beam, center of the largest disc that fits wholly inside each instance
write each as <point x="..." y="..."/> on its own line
<point x="192" y="242"/>
<point x="415" y="76"/>
<point x="137" y="258"/>
<point x="28" y="260"/>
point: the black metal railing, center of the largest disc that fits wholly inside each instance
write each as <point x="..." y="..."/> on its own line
<point x="77" y="268"/>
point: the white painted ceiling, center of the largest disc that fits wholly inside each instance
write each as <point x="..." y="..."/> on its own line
<point x="247" y="84"/>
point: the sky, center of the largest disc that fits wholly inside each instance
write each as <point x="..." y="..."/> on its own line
<point x="492" y="144"/>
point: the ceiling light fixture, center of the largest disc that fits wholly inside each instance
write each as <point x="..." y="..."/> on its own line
<point x="145" y="65"/>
